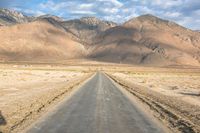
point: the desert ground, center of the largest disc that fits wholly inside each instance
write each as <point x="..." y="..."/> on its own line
<point x="183" y="85"/>
<point x="172" y="94"/>
<point x="28" y="91"/>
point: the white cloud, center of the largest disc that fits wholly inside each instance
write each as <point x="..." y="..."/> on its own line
<point x="196" y="12"/>
<point x="86" y="6"/>
<point x="146" y="10"/>
<point x="33" y="12"/>
<point x="126" y="10"/>
<point x="172" y="14"/>
<point x="114" y="2"/>
<point x="83" y="12"/>
<point x="109" y="10"/>
<point x="53" y="6"/>
<point x="167" y="3"/>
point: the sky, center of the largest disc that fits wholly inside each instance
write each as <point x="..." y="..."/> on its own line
<point x="183" y="12"/>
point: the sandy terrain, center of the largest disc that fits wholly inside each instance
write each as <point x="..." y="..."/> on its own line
<point x="183" y="85"/>
<point x="26" y="92"/>
<point x="173" y="97"/>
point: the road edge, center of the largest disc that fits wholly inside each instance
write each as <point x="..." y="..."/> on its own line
<point x="45" y="111"/>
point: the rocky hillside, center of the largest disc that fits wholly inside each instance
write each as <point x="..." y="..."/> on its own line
<point x="87" y="28"/>
<point x="148" y="40"/>
<point x="9" y="17"/>
<point x="48" y="16"/>
<point x="144" y="40"/>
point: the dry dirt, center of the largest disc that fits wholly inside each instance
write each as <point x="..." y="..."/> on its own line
<point x="27" y="92"/>
<point x="183" y="85"/>
<point x="174" y="97"/>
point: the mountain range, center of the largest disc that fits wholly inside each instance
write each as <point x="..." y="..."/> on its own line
<point x="144" y="40"/>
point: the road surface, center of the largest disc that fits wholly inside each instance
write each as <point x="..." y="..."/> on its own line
<point x="97" y="107"/>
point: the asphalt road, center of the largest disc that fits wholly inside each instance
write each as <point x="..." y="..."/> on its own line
<point x="97" y="107"/>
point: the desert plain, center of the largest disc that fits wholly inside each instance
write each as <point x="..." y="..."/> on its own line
<point x="28" y="91"/>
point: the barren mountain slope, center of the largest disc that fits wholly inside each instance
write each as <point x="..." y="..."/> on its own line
<point x="87" y="28"/>
<point x="9" y="17"/>
<point x="38" y="40"/>
<point x="48" y="16"/>
<point x="148" y="40"/>
<point x="145" y="40"/>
